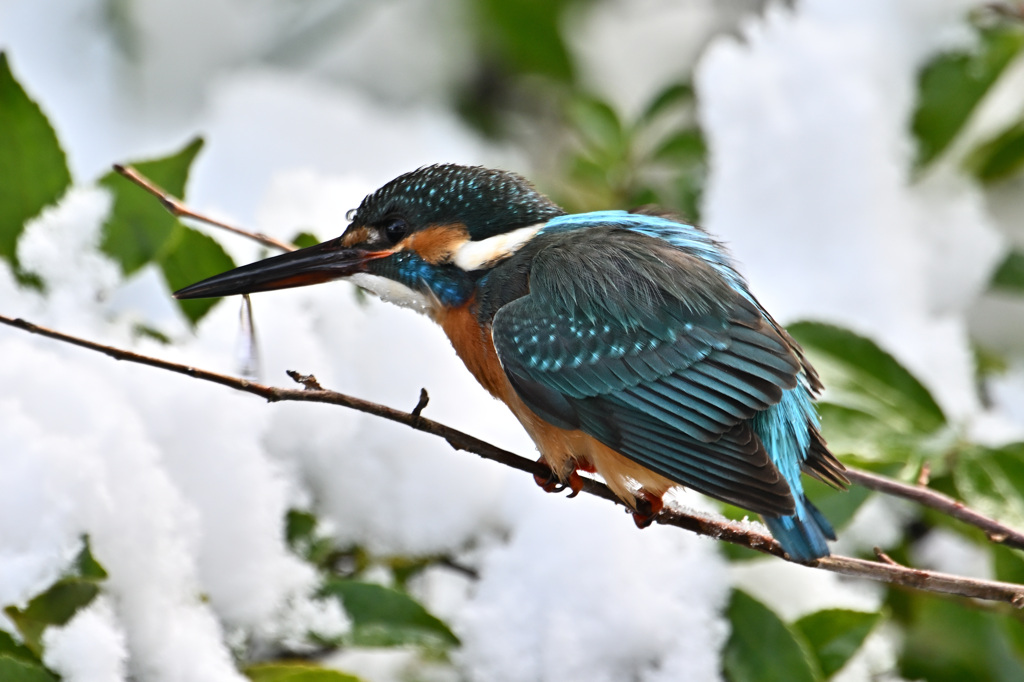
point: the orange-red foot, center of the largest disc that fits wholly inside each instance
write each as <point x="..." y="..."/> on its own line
<point x="575" y="483"/>
<point x="648" y="506"/>
<point x="549" y="483"/>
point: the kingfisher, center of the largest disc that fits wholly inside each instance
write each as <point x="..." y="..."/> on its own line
<point x="626" y="343"/>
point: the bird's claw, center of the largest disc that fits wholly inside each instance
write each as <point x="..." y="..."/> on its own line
<point x="647" y="508"/>
<point x="548" y="483"/>
<point x="552" y="484"/>
<point x="575" y="483"/>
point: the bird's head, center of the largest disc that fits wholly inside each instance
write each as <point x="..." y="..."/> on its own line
<point x="416" y="241"/>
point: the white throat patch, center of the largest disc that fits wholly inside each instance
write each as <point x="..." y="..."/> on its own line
<point x="392" y="292"/>
<point x="475" y="255"/>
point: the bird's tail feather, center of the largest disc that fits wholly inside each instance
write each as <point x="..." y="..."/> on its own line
<point x="804" y="534"/>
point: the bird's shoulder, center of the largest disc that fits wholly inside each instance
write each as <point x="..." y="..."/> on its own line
<point x="597" y="310"/>
<point x="613" y="256"/>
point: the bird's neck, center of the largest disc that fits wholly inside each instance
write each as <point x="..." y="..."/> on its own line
<point x="502" y="284"/>
<point x="410" y="281"/>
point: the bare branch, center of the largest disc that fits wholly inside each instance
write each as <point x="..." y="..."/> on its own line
<point x="179" y="210"/>
<point x="996" y="532"/>
<point x="721" y="529"/>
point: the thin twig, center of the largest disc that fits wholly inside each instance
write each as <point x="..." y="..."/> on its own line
<point x="736" y="533"/>
<point x="996" y="532"/>
<point x="424" y="399"/>
<point x="925" y="475"/>
<point x="885" y="558"/>
<point x="307" y="380"/>
<point x="458" y="567"/>
<point x="179" y="210"/>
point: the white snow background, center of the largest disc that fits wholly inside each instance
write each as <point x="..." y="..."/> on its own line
<point x="182" y="486"/>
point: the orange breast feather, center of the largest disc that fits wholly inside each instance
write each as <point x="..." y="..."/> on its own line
<point x="563" y="450"/>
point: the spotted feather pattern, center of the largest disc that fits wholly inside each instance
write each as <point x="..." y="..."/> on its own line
<point x="638" y="331"/>
<point x="487" y="202"/>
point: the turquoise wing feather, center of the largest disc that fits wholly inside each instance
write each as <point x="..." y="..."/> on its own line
<point x="647" y="347"/>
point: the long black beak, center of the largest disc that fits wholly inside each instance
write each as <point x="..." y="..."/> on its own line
<point x="321" y="263"/>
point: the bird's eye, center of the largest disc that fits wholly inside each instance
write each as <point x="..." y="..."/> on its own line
<point x="395" y="229"/>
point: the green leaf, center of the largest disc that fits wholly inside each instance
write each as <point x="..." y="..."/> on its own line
<point x="86" y="565"/>
<point x="992" y="482"/>
<point x="848" y="430"/>
<point x="599" y="125"/>
<point x="17" y="670"/>
<point x="299" y="527"/>
<point x="142" y="331"/>
<point x="525" y="36"/>
<point x="835" y="635"/>
<point x="673" y="95"/>
<point x="1013" y="630"/>
<point x="1008" y="564"/>
<point x="304" y="239"/>
<point x="1000" y="157"/>
<point x="854" y="433"/>
<point x="33" y="171"/>
<point x="13" y="649"/>
<point x="139" y="228"/>
<point x="953" y="84"/>
<point x="301" y="533"/>
<point x="382" y="616"/>
<point x="295" y="671"/>
<point x="684" y="146"/>
<point x="690" y="186"/>
<point x="949" y="641"/>
<point x="838" y="506"/>
<point x="188" y="257"/>
<point x="762" y="648"/>
<point x="861" y="376"/>
<point x="1009" y="276"/>
<point x="56" y="606"/>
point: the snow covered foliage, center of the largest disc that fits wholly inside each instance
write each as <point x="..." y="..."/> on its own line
<point x="187" y="532"/>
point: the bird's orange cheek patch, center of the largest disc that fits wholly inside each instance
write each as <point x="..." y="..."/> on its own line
<point x="437" y="244"/>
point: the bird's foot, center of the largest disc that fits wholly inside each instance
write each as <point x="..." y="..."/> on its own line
<point x="551" y="483"/>
<point x="575" y="483"/>
<point x="647" y="507"/>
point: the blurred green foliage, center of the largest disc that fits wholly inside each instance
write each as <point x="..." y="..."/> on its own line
<point x="659" y="159"/>
<point x="877" y="414"/>
<point x="953" y="84"/>
<point x="525" y="37"/>
<point x="385" y="616"/>
<point x="295" y="671"/>
<point x="763" y="648"/>
<point x="81" y="583"/>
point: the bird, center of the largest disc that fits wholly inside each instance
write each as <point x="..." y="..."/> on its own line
<point x="625" y="342"/>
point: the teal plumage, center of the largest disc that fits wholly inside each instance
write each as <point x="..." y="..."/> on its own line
<point x="637" y="330"/>
<point x="626" y="334"/>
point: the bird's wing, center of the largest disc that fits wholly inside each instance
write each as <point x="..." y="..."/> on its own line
<point x="648" y="349"/>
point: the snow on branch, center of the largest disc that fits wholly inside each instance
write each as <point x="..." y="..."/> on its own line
<point x="884" y="570"/>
